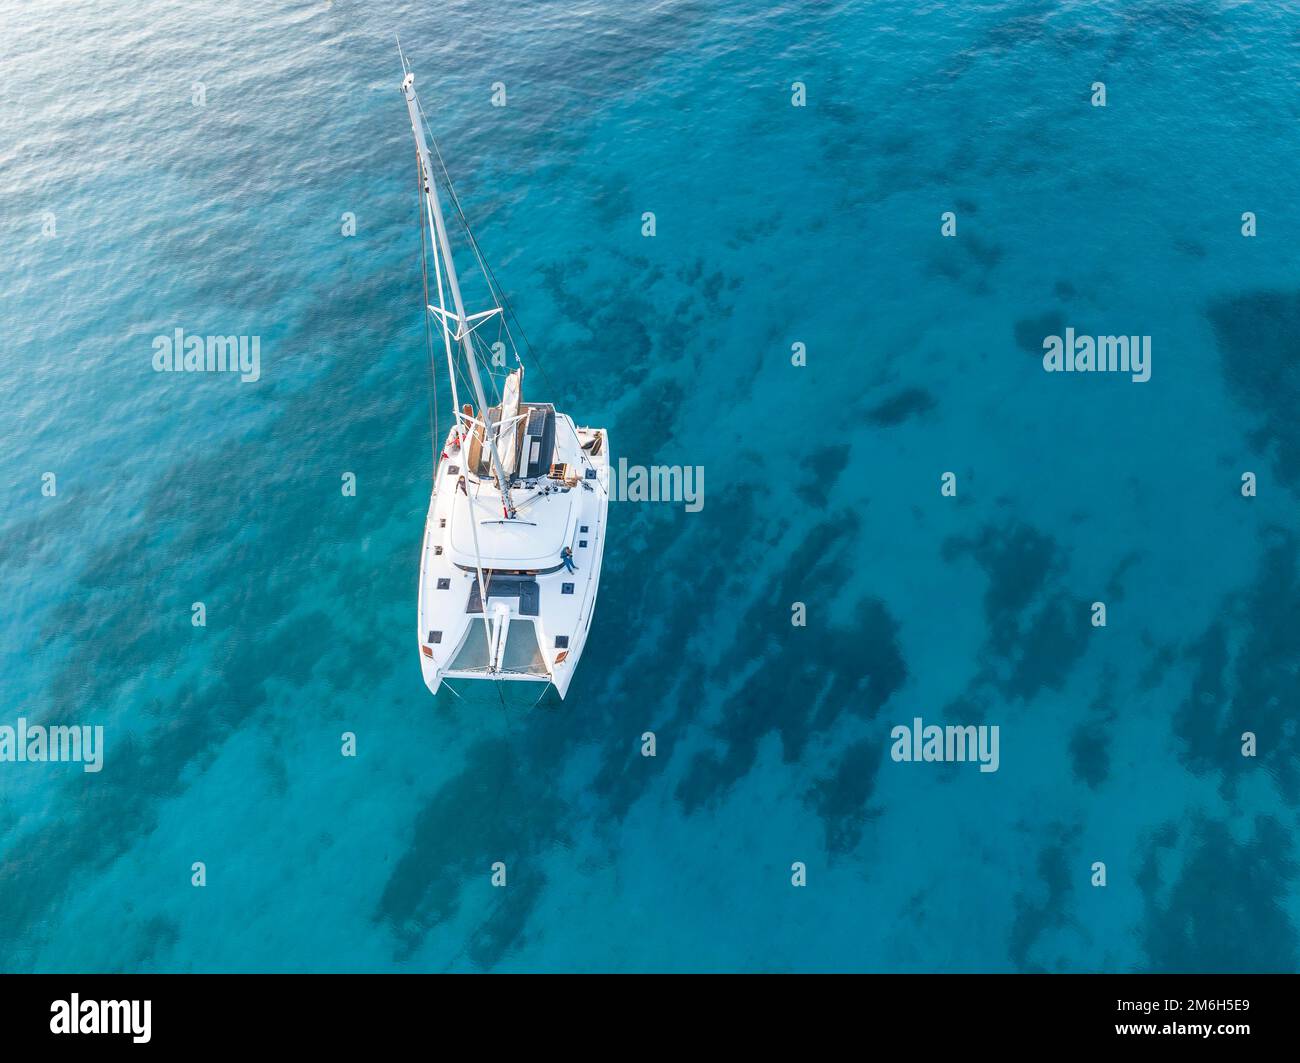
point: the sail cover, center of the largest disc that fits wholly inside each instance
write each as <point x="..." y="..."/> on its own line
<point x="507" y="441"/>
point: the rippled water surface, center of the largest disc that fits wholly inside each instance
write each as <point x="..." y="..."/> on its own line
<point x="775" y="225"/>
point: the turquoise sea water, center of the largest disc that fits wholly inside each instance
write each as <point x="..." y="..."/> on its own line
<point x="775" y="225"/>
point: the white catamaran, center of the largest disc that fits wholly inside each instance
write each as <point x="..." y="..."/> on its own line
<point x="513" y="541"/>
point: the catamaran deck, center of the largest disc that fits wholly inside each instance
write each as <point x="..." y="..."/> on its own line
<point x="538" y="612"/>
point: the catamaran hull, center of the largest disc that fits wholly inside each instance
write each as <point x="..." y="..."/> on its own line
<point x="538" y="613"/>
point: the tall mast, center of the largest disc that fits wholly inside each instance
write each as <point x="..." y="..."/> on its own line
<point x="463" y="325"/>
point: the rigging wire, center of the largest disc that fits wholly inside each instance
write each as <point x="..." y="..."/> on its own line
<point x="484" y="267"/>
<point x="507" y="307"/>
<point x="498" y="291"/>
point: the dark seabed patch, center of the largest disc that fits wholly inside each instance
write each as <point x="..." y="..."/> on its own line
<point x="1035" y="915"/>
<point x="725" y="543"/>
<point x="155" y="935"/>
<point x="910" y="402"/>
<point x="1115" y="585"/>
<point x="841" y="797"/>
<point x="986" y="254"/>
<point x="1036" y="631"/>
<point x="828" y="462"/>
<point x="1090" y="742"/>
<point x="1225" y="912"/>
<point x="491" y="811"/>
<point x="800" y="680"/>
<point x="1031" y="331"/>
<point x="1258" y="335"/>
<point x="1159" y="660"/>
<point x="1090" y="752"/>
<point x="1247" y="678"/>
